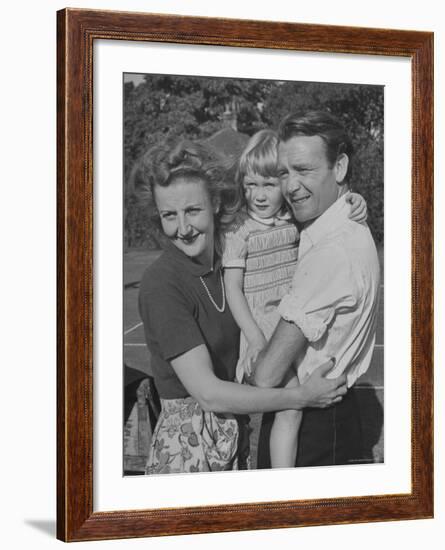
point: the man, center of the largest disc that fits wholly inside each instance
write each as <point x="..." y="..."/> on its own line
<point x="331" y="308"/>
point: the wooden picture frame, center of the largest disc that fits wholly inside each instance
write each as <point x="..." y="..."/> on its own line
<point x="77" y="31"/>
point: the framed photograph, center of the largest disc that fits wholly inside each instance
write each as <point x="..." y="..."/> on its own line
<point x="153" y="108"/>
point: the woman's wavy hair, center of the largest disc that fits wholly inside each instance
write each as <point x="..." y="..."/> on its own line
<point x="163" y="165"/>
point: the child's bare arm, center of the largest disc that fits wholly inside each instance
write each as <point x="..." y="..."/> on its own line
<point x="233" y="280"/>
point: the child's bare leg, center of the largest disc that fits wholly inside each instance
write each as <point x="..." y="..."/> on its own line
<point x="284" y="432"/>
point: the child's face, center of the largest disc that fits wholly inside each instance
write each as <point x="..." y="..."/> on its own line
<point x="263" y="195"/>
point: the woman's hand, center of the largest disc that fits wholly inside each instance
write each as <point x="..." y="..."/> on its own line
<point x="359" y="209"/>
<point x="322" y="392"/>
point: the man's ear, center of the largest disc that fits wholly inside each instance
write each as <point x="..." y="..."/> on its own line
<point x="341" y="167"/>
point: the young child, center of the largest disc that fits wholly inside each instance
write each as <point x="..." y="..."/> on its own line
<point x="259" y="259"/>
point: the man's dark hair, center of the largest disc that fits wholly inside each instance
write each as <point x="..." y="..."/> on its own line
<point x="318" y="123"/>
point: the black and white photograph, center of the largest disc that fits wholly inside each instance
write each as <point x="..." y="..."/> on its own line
<point x="221" y="224"/>
<point x="253" y="274"/>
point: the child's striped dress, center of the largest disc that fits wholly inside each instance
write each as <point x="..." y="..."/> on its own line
<point x="267" y="250"/>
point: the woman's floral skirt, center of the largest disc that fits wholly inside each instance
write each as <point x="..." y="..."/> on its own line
<point x="187" y="439"/>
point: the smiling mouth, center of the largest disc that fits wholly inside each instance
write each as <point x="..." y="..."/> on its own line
<point x="300" y="200"/>
<point x="188" y="240"/>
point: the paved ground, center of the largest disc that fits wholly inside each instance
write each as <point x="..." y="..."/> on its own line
<point x="370" y="385"/>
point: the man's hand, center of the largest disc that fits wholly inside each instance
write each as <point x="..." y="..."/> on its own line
<point x="322" y="392"/>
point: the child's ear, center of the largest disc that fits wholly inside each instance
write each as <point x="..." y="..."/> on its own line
<point x="341" y="167"/>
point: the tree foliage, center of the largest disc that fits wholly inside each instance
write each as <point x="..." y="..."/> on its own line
<point x="165" y="108"/>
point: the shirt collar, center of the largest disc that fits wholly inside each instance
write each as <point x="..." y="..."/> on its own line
<point x="331" y="218"/>
<point x="185" y="262"/>
<point x="282" y="215"/>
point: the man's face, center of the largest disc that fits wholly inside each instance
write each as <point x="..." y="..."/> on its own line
<point x="309" y="183"/>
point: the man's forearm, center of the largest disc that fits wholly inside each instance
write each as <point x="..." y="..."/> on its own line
<point x="286" y="344"/>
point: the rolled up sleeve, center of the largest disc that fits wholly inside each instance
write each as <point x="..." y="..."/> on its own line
<point x="323" y="287"/>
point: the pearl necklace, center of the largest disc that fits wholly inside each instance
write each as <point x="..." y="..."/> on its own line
<point x="223" y="307"/>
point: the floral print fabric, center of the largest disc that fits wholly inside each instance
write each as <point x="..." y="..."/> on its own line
<point x="188" y="439"/>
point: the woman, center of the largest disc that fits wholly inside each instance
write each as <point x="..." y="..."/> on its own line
<point x="193" y="338"/>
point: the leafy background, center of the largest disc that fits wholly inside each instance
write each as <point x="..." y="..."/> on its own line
<point x="161" y="109"/>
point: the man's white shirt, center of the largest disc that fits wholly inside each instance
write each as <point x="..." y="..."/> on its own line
<point x="334" y="293"/>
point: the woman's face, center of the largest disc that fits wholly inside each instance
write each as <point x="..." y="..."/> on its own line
<point x="187" y="218"/>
